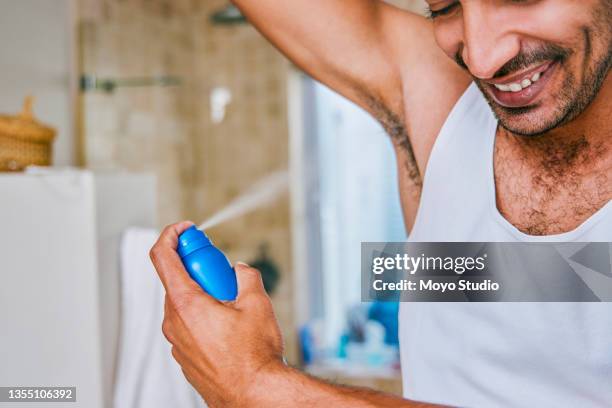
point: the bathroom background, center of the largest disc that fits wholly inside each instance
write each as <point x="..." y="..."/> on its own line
<point x="187" y="92"/>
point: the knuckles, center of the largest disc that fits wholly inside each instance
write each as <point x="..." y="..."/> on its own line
<point x="168" y="330"/>
<point x="175" y="353"/>
<point x="154" y="253"/>
<point x="167" y="229"/>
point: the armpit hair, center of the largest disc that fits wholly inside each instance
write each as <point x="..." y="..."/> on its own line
<point x="394" y="125"/>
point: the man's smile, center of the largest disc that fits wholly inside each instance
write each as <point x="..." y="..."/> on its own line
<point x="521" y="89"/>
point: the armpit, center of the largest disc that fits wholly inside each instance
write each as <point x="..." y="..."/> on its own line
<point x="395" y="127"/>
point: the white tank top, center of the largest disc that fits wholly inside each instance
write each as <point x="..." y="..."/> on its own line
<point x="497" y="354"/>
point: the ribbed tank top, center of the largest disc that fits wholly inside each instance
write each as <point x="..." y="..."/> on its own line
<point x="497" y="354"/>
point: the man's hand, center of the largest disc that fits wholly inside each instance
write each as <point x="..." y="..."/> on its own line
<point x="232" y="352"/>
<point x="223" y="348"/>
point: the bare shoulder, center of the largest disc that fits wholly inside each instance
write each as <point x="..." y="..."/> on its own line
<point x="431" y="81"/>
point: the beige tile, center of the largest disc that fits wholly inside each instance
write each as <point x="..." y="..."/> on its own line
<point x="200" y="166"/>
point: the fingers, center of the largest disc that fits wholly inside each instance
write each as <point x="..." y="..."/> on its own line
<point x="171" y="233"/>
<point x="249" y="281"/>
<point x="164" y="256"/>
<point x="179" y="285"/>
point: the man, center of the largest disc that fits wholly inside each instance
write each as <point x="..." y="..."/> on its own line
<point x="500" y="110"/>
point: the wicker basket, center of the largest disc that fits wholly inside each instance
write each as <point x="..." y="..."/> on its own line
<point x="24" y="141"/>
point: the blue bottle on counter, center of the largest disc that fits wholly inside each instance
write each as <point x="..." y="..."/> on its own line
<point x="207" y="265"/>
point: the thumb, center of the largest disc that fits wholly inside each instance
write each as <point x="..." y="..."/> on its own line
<point x="249" y="281"/>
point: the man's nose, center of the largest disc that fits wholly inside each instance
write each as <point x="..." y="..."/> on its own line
<point x="487" y="43"/>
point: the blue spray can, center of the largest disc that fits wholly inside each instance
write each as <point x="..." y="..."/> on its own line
<point x="207" y="265"/>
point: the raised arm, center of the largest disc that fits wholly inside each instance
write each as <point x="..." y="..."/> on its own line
<point x="381" y="57"/>
<point x="343" y="43"/>
<point x="367" y="50"/>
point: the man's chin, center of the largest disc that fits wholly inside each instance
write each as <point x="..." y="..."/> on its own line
<point x="529" y="121"/>
<point x="524" y="121"/>
<point x="522" y="130"/>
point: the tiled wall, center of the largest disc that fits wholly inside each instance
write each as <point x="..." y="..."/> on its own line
<point x="144" y="129"/>
<point x="200" y="165"/>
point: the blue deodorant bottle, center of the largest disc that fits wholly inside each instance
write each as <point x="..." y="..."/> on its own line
<point x="207" y="265"/>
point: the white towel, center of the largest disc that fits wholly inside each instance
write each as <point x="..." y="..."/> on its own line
<point x="147" y="375"/>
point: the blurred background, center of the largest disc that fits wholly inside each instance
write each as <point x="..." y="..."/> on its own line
<point x="146" y="112"/>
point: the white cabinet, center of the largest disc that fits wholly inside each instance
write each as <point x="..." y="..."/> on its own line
<point x="59" y="276"/>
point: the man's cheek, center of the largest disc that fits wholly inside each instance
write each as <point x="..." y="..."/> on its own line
<point x="447" y="40"/>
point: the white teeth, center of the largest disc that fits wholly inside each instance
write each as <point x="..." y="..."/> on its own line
<point x="504" y="88"/>
<point x="519" y="86"/>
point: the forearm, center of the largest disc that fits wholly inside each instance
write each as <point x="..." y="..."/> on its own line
<point x="344" y="44"/>
<point x="286" y="386"/>
<point x="317" y="32"/>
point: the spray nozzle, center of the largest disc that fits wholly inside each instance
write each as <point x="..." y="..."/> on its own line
<point x="191" y="240"/>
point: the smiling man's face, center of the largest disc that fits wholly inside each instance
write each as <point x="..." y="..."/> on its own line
<point x="539" y="63"/>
